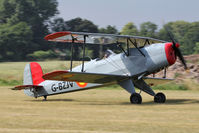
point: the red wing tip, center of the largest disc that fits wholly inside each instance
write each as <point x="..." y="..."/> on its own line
<point x="56" y="35"/>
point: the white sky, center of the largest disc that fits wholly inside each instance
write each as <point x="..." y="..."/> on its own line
<point x="120" y="12"/>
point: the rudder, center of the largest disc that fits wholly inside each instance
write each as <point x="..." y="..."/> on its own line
<point x="33" y="74"/>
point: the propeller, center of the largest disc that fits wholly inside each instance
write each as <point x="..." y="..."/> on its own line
<point x="175" y="46"/>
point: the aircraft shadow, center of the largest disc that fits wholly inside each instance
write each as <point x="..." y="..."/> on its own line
<point x="168" y="102"/>
<point x="52" y="100"/>
<point x="174" y="102"/>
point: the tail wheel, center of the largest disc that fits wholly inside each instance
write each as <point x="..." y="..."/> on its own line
<point x="45" y="98"/>
<point x="159" y="98"/>
<point x="136" y="98"/>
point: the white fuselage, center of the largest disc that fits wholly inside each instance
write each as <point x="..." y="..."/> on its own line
<point x="133" y="65"/>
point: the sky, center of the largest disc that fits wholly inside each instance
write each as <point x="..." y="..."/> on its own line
<point x="120" y="12"/>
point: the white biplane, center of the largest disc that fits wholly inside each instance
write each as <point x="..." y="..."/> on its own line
<point x="141" y="57"/>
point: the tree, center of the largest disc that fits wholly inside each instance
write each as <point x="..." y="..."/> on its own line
<point x="129" y="29"/>
<point x="196" y="49"/>
<point x="75" y="25"/>
<point x="15" y="41"/>
<point x="82" y="25"/>
<point x="178" y="30"/>
<point x="148" y="29"/>
<point x="191" y="37"/>
<point x="58" y="25"/>
<point x="34" y="13"/>
<point x="109" y="30"/>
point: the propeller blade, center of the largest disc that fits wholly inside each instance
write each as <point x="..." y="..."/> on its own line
<point x="170" y="35"/>
<point x="179" y="54"/>
<point x="176" y="49"/>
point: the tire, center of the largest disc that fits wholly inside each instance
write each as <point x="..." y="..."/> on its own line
<point x="160" y="98"/>
<point x="136" y="98"/>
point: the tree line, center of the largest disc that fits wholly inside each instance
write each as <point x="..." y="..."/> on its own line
<point x="23" y="25"/>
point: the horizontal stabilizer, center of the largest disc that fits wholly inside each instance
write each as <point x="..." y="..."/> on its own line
<point x="84" y="77"/>
<point x="156" y="81"/>
<point x="26" y="86"/>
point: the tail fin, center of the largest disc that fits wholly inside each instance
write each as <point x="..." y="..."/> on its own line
<point x="33" y="74"/>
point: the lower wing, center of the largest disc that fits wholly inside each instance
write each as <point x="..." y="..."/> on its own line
<point x="84" y="77"/>
<point x="156" y="81"/>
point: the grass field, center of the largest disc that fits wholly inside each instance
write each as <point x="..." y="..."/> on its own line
<point x="98" y="111"/>
<point x="105" y="110"/>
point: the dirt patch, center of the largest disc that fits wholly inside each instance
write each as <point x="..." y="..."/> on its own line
<point x="177" y="70"/>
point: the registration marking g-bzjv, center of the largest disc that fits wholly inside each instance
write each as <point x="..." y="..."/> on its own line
<point x="61" y="86"/>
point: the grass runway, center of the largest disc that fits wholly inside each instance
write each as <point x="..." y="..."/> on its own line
<point x="98" y="111"/>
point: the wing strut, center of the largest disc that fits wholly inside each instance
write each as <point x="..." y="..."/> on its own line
<point x="84" y="52"/>
<point x="72" y="52"/>
<point x="72" y="48"/>
<point x="119" y="45"/>
<point x="135" y="44"/>
<point x="127" y="44"/>
<point x="165" y="72"/>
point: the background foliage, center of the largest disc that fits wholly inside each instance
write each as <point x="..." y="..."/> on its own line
<point x="23" y="25"/>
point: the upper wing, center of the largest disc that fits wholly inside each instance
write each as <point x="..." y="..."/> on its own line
<point x="156" y="81"/>
<point x="97" y="38"/>
<point x="83" y="77"/>
<point x="26" y="86"/>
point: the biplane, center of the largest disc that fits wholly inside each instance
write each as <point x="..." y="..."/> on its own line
<point x="140" y="57"/>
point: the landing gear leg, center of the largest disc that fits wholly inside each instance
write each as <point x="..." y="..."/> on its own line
<point x="129" y="86"/>
<point x="160" y="98"/>
<point x="45" y="98"/>
<point x="136" y="98"/>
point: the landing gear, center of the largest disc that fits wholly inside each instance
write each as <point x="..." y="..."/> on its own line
<point x="136" y="98"/>
<point x="159" y="98"/>
<point x="45" y="98"/>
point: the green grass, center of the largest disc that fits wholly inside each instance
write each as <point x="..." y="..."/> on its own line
<point x="170" y="86"/>
<point x="9" y="82"/>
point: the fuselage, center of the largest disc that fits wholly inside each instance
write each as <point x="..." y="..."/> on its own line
<point x="157" y="56"/>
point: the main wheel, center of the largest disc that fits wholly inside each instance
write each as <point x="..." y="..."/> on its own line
<point x="159" y="98"/>
<point x="136" y="98"/>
